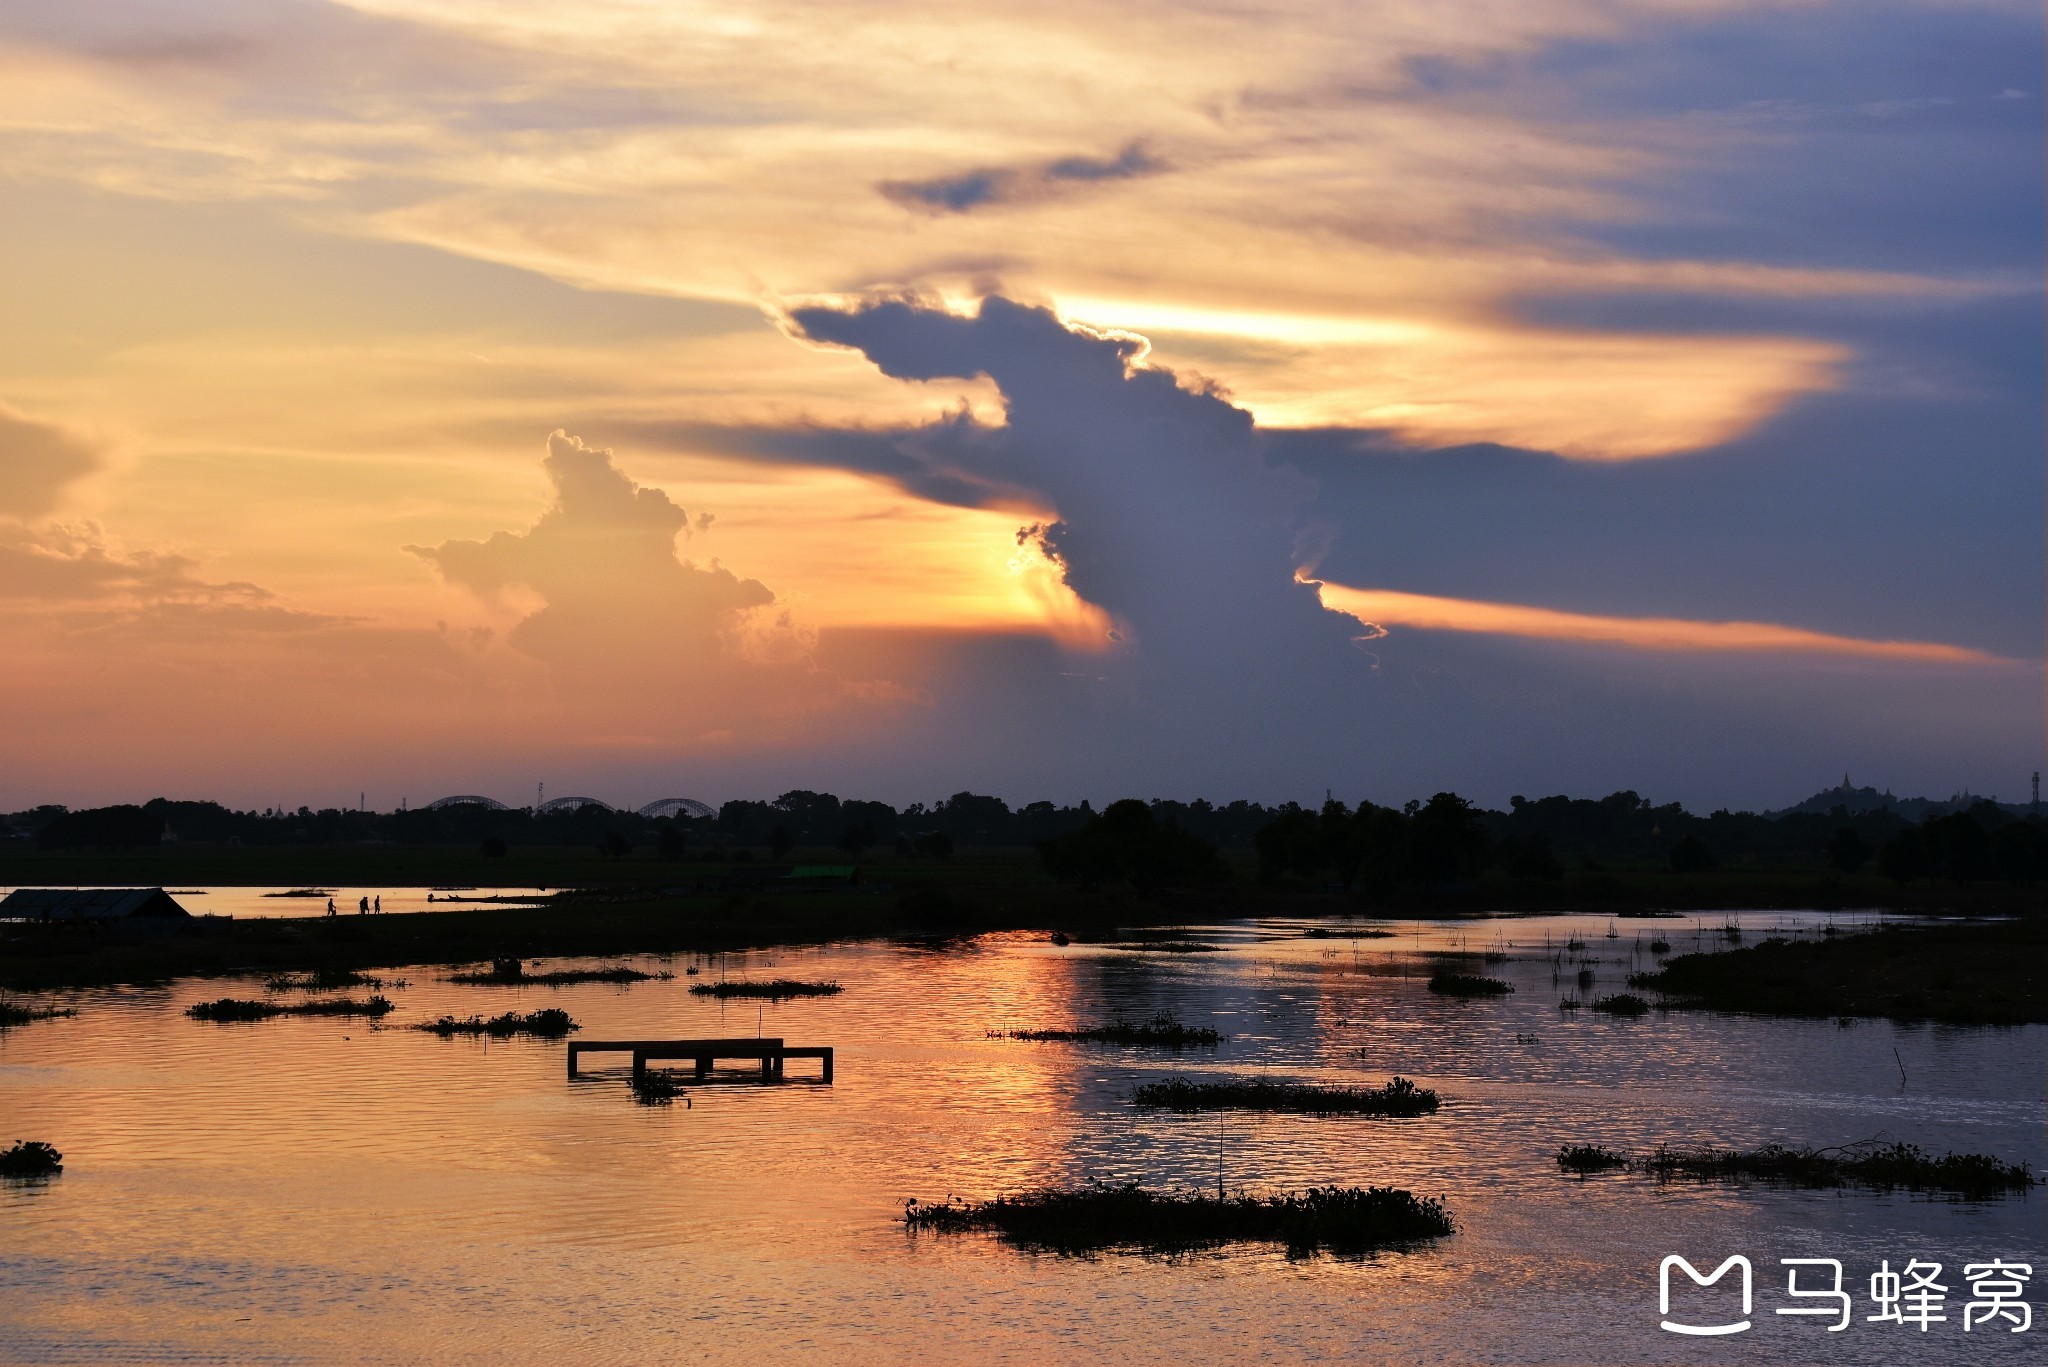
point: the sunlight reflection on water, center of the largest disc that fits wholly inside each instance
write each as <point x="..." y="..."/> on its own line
<point x="329" y="1190"/>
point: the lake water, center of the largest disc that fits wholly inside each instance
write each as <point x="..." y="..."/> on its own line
<point x="270" y="902"/>
<point x="307" y="1190"/>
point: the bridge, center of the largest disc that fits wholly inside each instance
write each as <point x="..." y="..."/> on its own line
<point x="678" y="806"/>
<point x="466" y="800"/>
<point x="570" y="804"/>
<point x="668" y="806"/>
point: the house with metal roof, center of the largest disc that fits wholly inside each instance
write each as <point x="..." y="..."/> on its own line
<point x="140" y="909"/>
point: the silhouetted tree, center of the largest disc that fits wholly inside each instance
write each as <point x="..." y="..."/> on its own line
<point x="614" y="845"/>
<point x="1903" y="857"/>
<point x="493" y="847"/>
<point x="854" y="839"/>
<point x="1445" y="841"/>
<point x="2019" y="852"/>
<point x="107" y="828"/>
<point x="671" y="843"/>
<point x="1691" y="855"/>
<point x="1530" y="857"/>
<point x="937" y="844"/>
<point x="779" y="843"/>
<point x="1127" y="844"/>
<point x="1848" y="851"/>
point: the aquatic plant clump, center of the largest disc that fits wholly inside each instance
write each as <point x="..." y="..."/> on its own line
<point x="550" y="1023"/>
<point x="1622" y="1004"/>
<point x="1585" y="1158"/>
<point x="1398" y="1098"/>
<point x="14" y="1013"/>
<point x="1341" y="1219"/>
<point x="31" y="1158"/>
<point x="233" y="1009"/>
<point x="1172" y="946"/>
<point x="512" y="973"/>
<point x="654" y="1088"/>
<point x="1883" y="1167"/>
<point x="1869" y="1164"/>
<point x="771" y="989"/>
<point x="1162" y="1031"/>
<point x="320" y="980"/>
<point x="1468" y="985"/>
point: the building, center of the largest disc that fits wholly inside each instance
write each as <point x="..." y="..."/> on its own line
<point x="141" y="910"/>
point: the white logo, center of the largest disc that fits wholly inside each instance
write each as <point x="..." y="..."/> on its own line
<point x="1664" y="1293"/>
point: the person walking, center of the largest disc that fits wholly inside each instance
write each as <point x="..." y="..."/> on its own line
<point x="330" y="906"/>
<point x="363" y="907"/>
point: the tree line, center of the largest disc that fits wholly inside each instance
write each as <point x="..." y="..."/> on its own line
<point x="1376" y="850"/>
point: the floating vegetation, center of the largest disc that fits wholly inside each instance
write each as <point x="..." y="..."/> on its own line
<point x="14" y="1013"/>
<point x="1585" y="1158"/>
<point x="772" y="989"/>
<point x="1162" y="1030"/>
<point x="31" y="1158"/>
<point x="1398" y="1098"/>
<point x="321" y="980"/>
<point x="1660" y="946"/>
<point x="1345" y="1220"/>
<point x="1622" y="1004"/>
<point x="1171" y="946"/>
<point x="512" y="973"/>
<point x="232" y="1009"/>
<point x="1575" y="944"/>
<point x="1868" y="1163"/>
<point x="1585" y="977"/>
<point x="551" y="1023"/>
<point x="1569" y="1003"/>
<point x="658" y="1088"/>
<point x="1468" y="985"/>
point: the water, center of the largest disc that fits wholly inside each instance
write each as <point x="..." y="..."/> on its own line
<point x="272" y="902"/>
<point x="319" y="1190"/>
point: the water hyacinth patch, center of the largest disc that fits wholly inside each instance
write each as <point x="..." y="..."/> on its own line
<point x="1870" y="1163"/>
<point x="1399" y="1097"/>
<point x="551" y="1023"/>
<point x="1468" y="985"/>
<point x="512" y="973"/>
<point x="31" y="1158"/>
<point x="771" y="989"/>
<point x="14" y="1013"/>
<point x="231" y="1009"/>
<point x="1162" y="1030"/>
<point x="1344" y="1220"/>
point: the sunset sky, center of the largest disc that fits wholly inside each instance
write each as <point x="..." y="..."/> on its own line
<point x="1069" y="400"/>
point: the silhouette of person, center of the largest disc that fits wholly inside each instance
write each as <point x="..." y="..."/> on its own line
<point x="379" y="907"/>
<point x="363" y="907"/>
<point x="330" y="906"/>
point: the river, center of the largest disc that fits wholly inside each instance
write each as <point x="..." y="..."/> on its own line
<point x="321" y="1190"/>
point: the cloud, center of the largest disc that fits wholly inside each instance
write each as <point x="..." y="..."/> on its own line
<point x="37" y="460"/>
<point x="1163" y="514"/>
<point x="74" y="576"/>
<point x="1376" y="608"/>
<point x="987" y="187"/>
<point x="602" y="557"/>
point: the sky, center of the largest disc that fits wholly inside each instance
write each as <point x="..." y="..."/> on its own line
<point x="1225" y="398"/>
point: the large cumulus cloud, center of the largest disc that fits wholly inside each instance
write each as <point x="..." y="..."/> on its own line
<point x="1165" y="515"/>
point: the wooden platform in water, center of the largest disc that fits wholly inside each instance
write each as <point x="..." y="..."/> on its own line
<point x="705" y="1053"/>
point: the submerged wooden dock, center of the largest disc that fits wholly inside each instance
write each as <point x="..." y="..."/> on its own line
<point x="705" y="1053"/>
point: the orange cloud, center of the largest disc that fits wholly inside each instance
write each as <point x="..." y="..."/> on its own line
<point x="1383" y="608"/>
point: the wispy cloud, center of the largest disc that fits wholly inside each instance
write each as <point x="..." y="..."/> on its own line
<point x="1379" y="609"/>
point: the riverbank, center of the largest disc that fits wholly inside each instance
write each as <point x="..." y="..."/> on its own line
<point x="1964" y="973"/>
